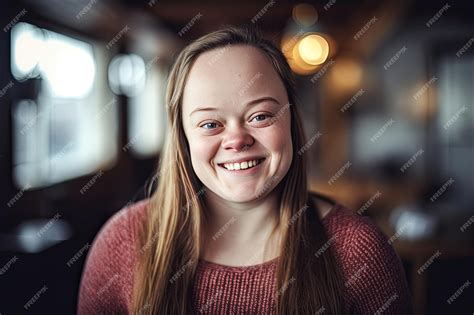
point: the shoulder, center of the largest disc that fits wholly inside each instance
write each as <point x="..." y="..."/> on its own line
<point x="121" y="230"/>
<point x="354" y="234"/>
<point x="126" y="222"/>
<point x="373" y="274"/>
<point x="107" y="278"/>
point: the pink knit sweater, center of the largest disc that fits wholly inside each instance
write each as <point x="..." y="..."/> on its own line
<point x="374" y="278"/>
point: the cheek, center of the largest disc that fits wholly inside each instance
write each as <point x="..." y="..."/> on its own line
<point x="201" y="154"/>
<point x="280" y="138"/>
<point x="202" y="150"/>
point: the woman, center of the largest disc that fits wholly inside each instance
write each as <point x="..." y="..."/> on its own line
<point x="231" y="227"/>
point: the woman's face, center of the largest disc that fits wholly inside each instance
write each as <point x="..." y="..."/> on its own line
<point x="235" y="109"/>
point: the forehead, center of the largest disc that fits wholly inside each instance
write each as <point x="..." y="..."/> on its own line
<point x="230" y="75"/>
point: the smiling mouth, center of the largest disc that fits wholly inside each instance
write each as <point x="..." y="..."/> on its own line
<point x="241" y="166"/>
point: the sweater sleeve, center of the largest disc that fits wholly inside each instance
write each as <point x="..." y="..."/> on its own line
<point x="375" y="279"/>
<point x="106" y="282"/>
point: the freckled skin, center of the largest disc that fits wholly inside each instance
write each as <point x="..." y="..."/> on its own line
<point x="228" y="81"/>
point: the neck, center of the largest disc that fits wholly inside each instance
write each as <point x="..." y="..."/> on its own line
<point x="237" y="233"/>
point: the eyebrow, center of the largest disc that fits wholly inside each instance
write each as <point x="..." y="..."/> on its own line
<point x="253" y="102"/>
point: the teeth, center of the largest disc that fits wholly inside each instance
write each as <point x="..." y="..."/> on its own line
<point x="241" y="166"/>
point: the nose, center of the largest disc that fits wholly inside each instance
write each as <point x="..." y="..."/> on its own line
<point x="238" y="140"/>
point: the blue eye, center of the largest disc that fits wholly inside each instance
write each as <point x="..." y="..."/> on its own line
<point x="209" y="123"/>
<point x="261" y="115"/>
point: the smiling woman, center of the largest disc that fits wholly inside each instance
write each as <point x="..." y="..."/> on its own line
<point x="242" y="117"/>
<point x="232" y="227"/>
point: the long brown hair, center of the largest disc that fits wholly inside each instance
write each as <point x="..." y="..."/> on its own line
<point x="172" y="233"/>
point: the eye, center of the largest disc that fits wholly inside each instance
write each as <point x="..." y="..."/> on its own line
<point x="209" y="125"/>
<point x="260" y="117"/>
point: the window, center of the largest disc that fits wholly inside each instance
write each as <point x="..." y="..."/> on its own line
<point x="69" y="128"/>
<point x="144" y="85"/>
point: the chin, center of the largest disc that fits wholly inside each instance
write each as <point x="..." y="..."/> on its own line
<point x="247" y="195"/>
<point x="243" y="198"/>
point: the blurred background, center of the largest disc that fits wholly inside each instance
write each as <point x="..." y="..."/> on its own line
<point x="386" y="92"/>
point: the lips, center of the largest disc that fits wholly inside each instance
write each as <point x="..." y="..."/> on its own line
<point x="242" y="160"/>
<point x="242" y="164"/>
